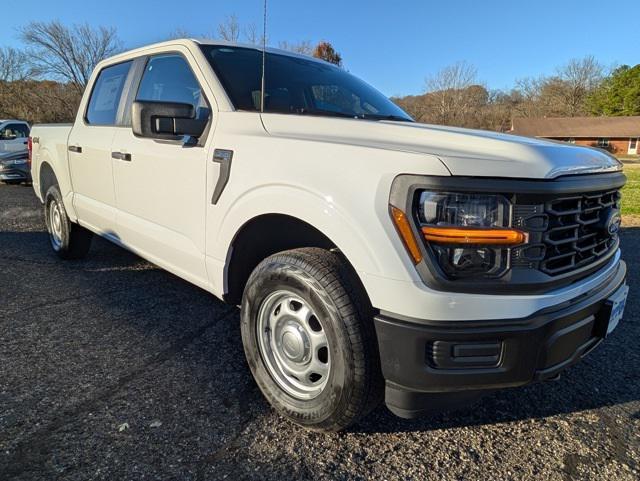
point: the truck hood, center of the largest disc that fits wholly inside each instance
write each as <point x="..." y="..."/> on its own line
<point x="463" y="151"/>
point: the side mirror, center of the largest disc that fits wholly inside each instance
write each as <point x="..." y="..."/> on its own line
<point x="166" y="120"/>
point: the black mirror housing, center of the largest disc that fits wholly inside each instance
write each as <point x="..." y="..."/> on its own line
<point x="166" y="120"/>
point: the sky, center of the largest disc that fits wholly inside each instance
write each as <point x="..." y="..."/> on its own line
<point x="394" y="45"/>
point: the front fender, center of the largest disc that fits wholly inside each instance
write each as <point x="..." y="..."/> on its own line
<point x="368" y="240"/>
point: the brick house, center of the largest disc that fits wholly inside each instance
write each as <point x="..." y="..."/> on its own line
<point x="619" y="135"/>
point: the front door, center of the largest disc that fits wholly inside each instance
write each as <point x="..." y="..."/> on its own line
<point x="89" y="147"/>
<point x="160" y="185"/>
<point x="633" y="146"/>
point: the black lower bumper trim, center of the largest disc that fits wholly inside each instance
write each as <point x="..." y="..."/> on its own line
<point x="431" y="363"/>
<point x="14" y="175"/>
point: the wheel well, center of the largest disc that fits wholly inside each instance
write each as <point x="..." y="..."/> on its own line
<point x="47" y="178"/>
<point x="264" y="236"/>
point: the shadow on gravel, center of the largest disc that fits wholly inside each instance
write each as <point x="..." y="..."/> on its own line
<point x="177" y="316"/>
<point x="130" y="341"/>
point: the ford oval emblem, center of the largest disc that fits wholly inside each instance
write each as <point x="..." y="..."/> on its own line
<point x="613" y="222"/>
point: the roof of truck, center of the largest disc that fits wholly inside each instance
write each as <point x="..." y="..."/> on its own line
<point x="209" y="41"/>
<point x="205" y="41"/>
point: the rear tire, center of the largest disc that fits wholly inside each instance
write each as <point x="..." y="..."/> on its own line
<point x="308" y="334"/>
<point x="68" y="240"/>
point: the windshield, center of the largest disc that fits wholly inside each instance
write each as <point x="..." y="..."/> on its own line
<point x="296" y="85"/>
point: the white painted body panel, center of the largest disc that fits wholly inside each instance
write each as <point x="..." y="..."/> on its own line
<point x="92" y="176"/>
<point x="51" y="149"/>
<point x="160" y="202"/>
<point x="335" y="174"/>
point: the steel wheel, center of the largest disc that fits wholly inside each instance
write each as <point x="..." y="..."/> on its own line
<point x="294" y="345"/>
<point x="55" y="225"/>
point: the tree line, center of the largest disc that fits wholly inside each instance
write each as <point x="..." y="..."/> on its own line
<point x="44" y="81"/>
<point x="581" y="87"/>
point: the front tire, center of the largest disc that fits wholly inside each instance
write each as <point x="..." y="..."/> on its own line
<point x="68" y="240"/>
<point x="307" y="330"/>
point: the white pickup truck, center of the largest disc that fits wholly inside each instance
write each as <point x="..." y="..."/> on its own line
<point x="373" y="257"/>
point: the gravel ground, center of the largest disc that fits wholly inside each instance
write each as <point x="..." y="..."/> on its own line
<point x="113" y="369"/>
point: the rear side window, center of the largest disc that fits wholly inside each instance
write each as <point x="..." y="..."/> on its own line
<point x="168" y="78"/>
<point x="14" y="131"/>
<point x="105" y="97"/>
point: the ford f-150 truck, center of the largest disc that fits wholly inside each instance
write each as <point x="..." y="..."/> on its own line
<point x="372" y="257"/>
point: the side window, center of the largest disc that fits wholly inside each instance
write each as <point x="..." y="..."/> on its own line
<point x="168" y="78"/>
<point x="105" y="97"/>
<point x="14" y="131"/>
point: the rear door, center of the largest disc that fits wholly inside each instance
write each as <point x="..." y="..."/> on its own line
<point x="14" y="137"/>
<point x="90" y="150"/>
<point x="160" y="185"/>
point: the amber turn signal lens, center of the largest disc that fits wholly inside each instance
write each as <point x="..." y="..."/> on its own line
<point x="459" y="235"/>
<point x="404" y="228"/>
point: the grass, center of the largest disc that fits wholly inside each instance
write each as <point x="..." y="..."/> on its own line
<point x="631" y="195"/>
<point x="629" y="158"/>
<point x="631" y="191"/>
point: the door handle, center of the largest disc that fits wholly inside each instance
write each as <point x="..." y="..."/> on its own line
<point x="75" y="148"/>
<point x="121" y="156"/>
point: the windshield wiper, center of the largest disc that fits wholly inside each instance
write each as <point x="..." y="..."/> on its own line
<point x="333" y="113"/>
<point x="396" y="118"/>
<point x="327" y="113"/>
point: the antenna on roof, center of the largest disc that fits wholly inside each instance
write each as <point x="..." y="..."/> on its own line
<point x="264" y="56"/>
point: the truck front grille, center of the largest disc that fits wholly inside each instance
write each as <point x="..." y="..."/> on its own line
<point x="577" y="235"/>
<point x="568" y="232"/>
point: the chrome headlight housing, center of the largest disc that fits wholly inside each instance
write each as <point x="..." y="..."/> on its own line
<point x="468" y="235"/>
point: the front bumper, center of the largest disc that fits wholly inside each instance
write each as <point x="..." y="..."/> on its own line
<point x="442" y="363"/>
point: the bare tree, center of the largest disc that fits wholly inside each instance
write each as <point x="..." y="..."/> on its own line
<point x="560" y="95"/>
<point x="418" y="106"/>
<point x="587" y="73"/>
<point x="304" y="47"/>
<point x="450" y="90"/>
<point x="527" y="97"/>
<point x="13" y="65"/>
<point x="252" y="35"/>
<point x="68" y="54"/>
<point x="578" y="79"/>
<point x="180" y="33"/>
<point x="229" y="30"/>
